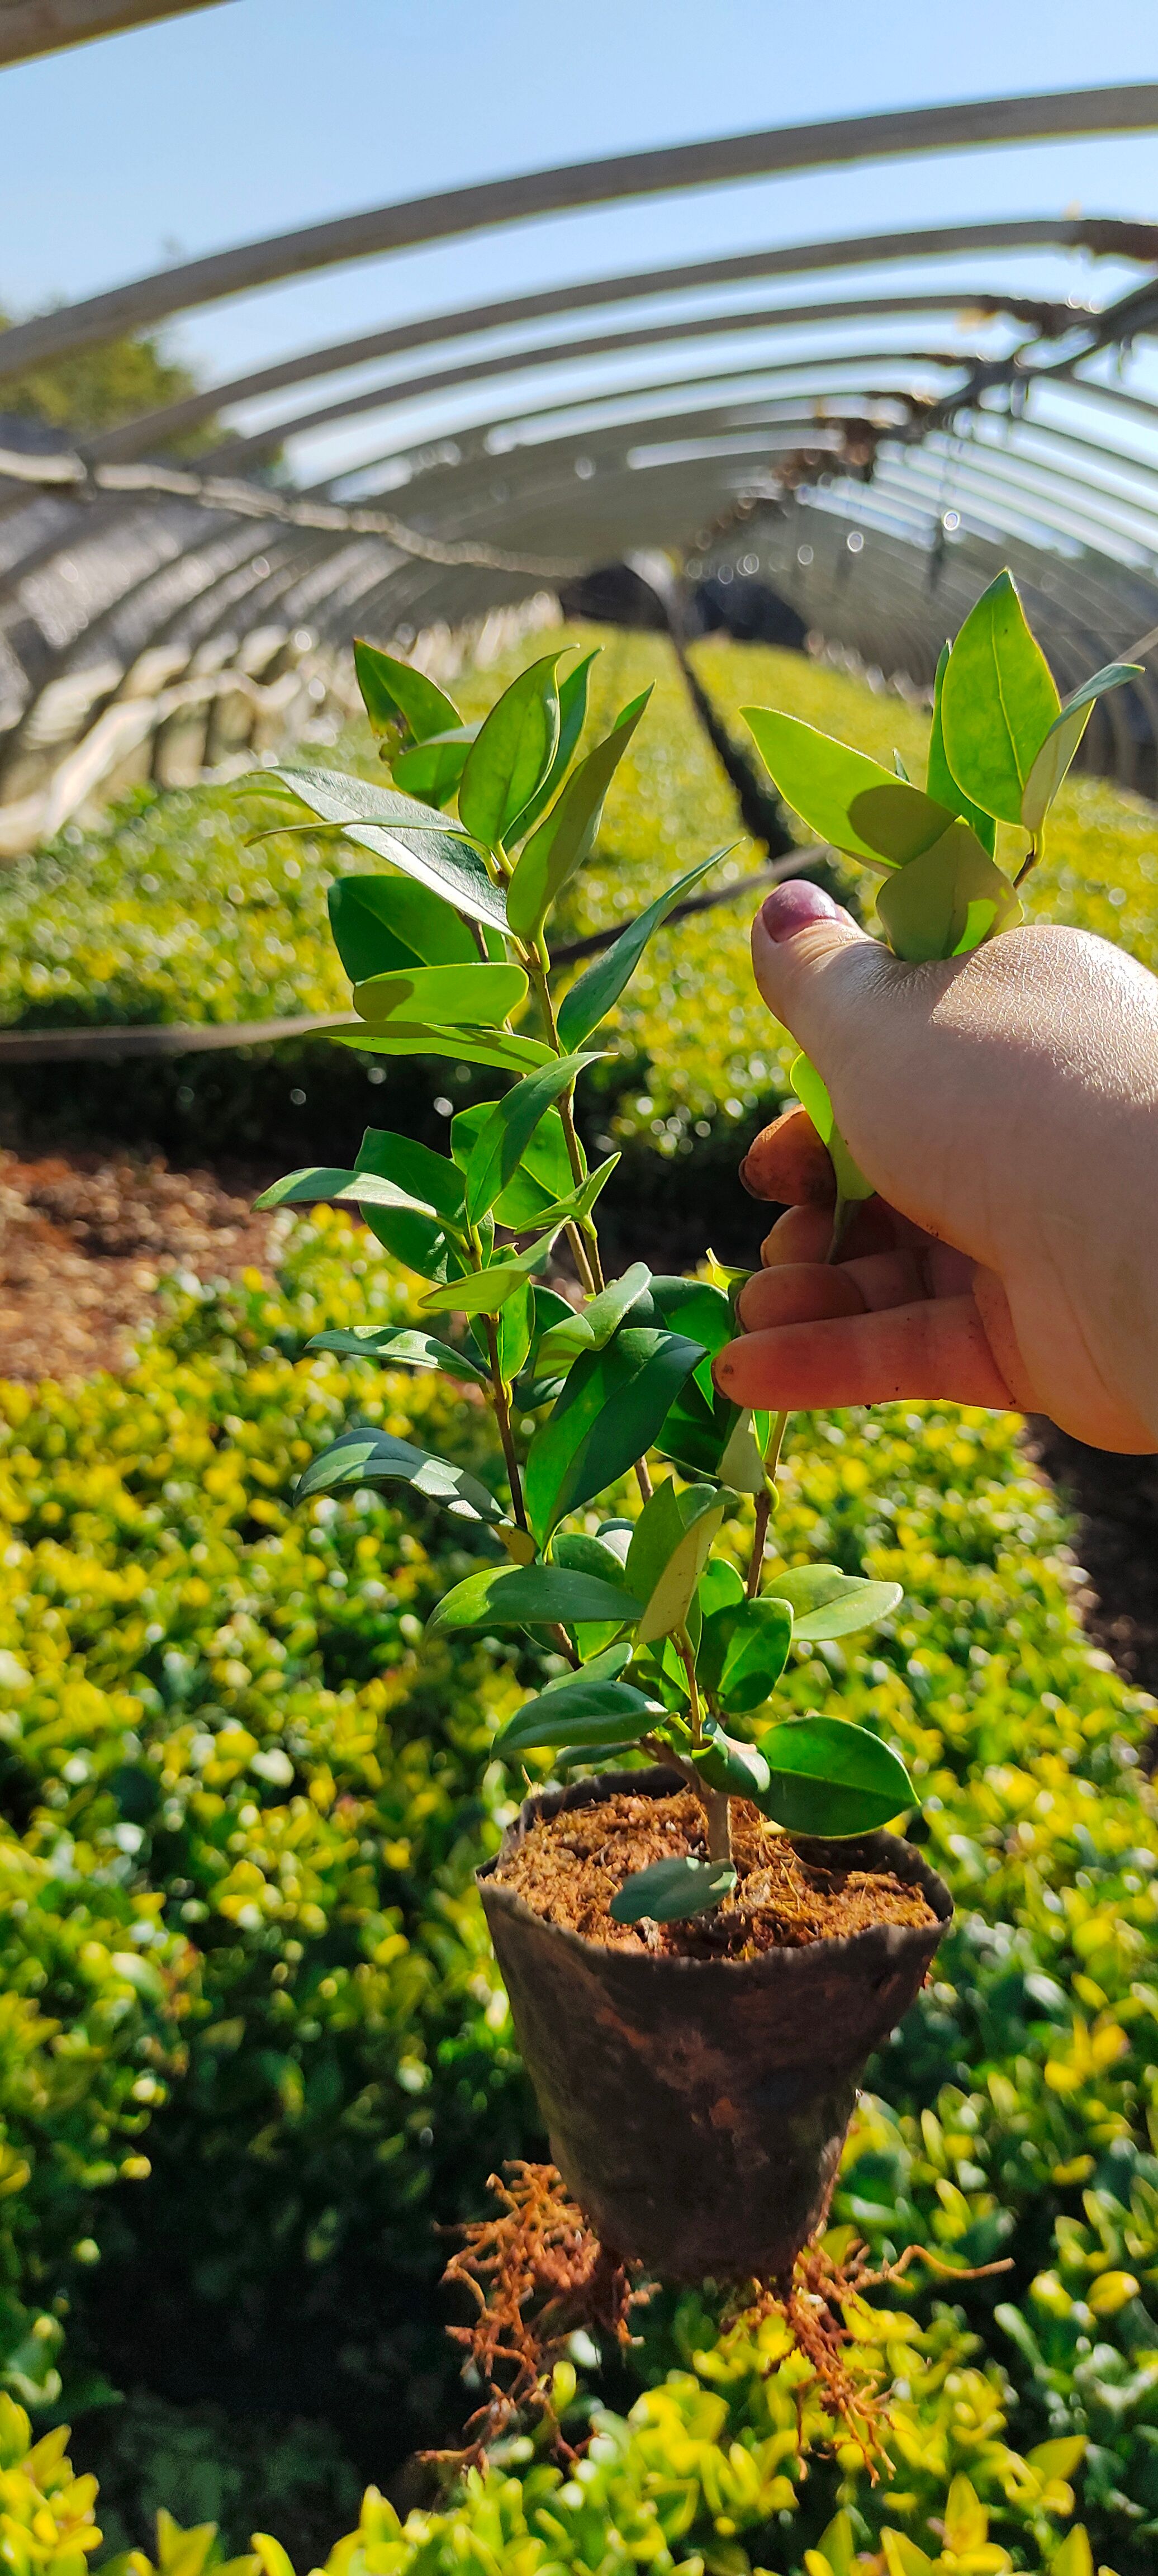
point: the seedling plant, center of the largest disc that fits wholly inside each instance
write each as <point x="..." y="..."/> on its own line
<point x="666" y="1646"/>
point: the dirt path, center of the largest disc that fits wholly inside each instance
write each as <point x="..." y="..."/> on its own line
<point x="85" y="1240"/>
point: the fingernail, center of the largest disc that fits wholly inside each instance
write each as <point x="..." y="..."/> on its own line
<point x="792" y="905"/>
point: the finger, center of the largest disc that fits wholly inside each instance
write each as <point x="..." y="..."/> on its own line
<point x="798" y="1292"/>
<point x="787" y="1161"/>
<point x="933" y="1349"/>
<point x="804" y="1233"/>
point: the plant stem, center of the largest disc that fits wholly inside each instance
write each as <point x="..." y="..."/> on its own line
<point x="842" y="1215"/>
<point x="715" y="1802"/>
<point x="561" y="1639"/>
<point x="759" y="1543"/>
<point x="476" y="931"/>
<point x="643" y="1480"/>
<point x="1031" y="857"/>
<point x="503" y="1418"/>
<point x="585" y="1244"/>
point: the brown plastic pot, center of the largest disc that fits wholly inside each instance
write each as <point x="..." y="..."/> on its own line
<point x="697" y="2108"/>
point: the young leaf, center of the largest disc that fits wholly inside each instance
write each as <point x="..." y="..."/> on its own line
<point x="412" y="837"/>
<point x="593" y="1325"/>
<point x="381" y="924"/>
<point x="512" y="755"/>
<point x="812" y="1093"/>
<point x="939" y="779"/>
<point x="948" y="901"/>
<point x="499" y="1047"/>
<point x="527" y="1596"/>
<point x="552" y="855"/>
<point x="375" y="1458"/>
<point x="478" y="996"/>
<point x="739" y="1770"/>
<point x="671" y="1890"/>
<point x="483" y="1292"/>
<point x="591" y="1713"/>
<point x="826" y="1603"/>
<point x="852" y="801"/>
<point x="502" y="1140"/>
<point x="325" y="1181"/>
<point x="572" y="717"/>
<point x="392" y="690"/>
<point x="1061" y="742"/>
<point x="596" y="991"/>
<point x="433" y="769"/>
<point x="998" y="702"/>
<point x="399" y="1346"/>
<point x="721" y="1587"/>
<point x="668" y="1553"/>
<point x="431" y="1179"/>
<point x="607" y="1415"/>
<point x="832" y="1778"/>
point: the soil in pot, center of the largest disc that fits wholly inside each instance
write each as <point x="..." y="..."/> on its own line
<point x="571" y="1864"/>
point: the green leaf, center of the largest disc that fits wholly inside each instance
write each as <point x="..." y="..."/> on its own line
<point x="755" y="1653"/>
<point x="572" y="717"/>
<point x="400" y="1346"/>
<point x="826" y="1603"/>
<point x="433" y="769"/>
<point x="852" y="801"/>
<point x="1061" y="742"/>
<point x="421" y="1242"/>
<point x="598" y="988"/>
<point x="587" y="1555"/>
<point x="589" y="1713"/>
<point x="513" y="1327"/>
<point x="739" y="1770"/>
<point x="742" y="1459"/>
<point x="544" y="1174"/>
<point x="431" y="1179"/>
<point x="939" y="779"/>
<point x="591" y="1326"/>
<point x="323" y="1181"/>
<point x="668" y="1553"/>
<point x="607" y="1415"/>
<point x="948" y="901"/>
<point x="552" y="855"/>
<point x="393" y="690"/>
<point x="476" y="996"/>
<point x="832" y="1778"/>
<point x="721" y="1587"/>
<point x="412" y="837"/>
<point x="512" y="755"/>
<point x="812" y="1093"/>
<point x="671" y="1890"/>
<point x="527" y="1596"/>
<point x="384" y="923"/>
<point x="464" y="1046"/>
<point x="375" y="1458"/>
<point x="500" y="1146"/>
<point x="998" y="702"/>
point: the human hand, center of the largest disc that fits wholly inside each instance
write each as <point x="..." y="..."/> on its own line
<point x="1005" y="1104"/>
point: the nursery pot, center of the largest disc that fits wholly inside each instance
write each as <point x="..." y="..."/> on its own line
<point x="697" y="2108"/>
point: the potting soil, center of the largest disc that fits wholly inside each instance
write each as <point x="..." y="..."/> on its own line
<point x="570" y="1866"/>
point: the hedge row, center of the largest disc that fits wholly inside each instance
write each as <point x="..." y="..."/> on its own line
<point x="225" y="1734"/>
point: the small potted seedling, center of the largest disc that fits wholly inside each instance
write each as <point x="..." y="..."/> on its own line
<point x="702" y="1948"/>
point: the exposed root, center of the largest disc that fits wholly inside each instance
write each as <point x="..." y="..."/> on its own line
<point x="538" y="2273"/>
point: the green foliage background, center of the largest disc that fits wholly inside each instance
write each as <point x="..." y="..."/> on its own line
<point x="251" y="2040"/>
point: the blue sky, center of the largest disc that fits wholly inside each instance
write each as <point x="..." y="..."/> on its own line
<point x="265" y="114"/>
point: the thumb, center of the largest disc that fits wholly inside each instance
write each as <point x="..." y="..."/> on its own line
<point x="819" y="974"/>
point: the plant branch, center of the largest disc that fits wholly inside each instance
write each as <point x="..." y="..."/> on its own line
<point x="585" y="1244"/>
<point x="759" y="1543"/>
<point x="503" y="1418"/>
<point x="643" y="1480"/>
<point x="715" y="1802"/>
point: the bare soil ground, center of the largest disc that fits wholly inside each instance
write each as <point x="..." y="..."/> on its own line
<point x="85" y="1242"/>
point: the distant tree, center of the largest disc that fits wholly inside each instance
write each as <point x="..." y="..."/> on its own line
<point x="97" y="388"/>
